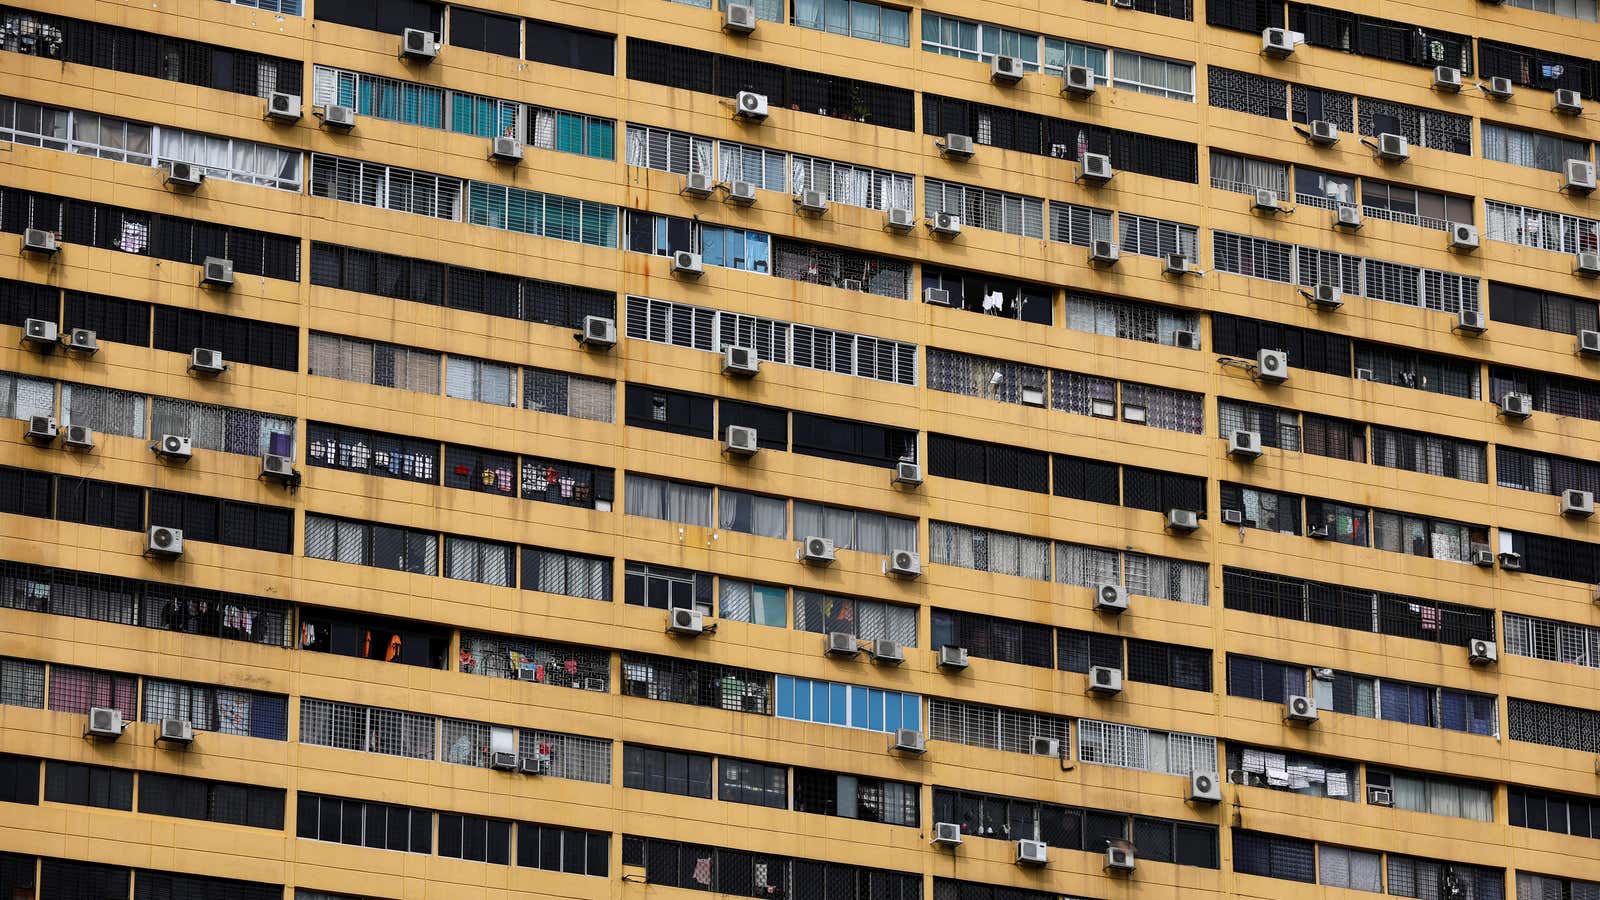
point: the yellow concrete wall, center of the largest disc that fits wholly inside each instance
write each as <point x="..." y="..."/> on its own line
<point x="130" y="839"/>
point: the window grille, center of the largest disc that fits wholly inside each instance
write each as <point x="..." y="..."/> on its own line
<point x="1540" y="229"/>
<point x="369" y="362"/>
<point x="1420" y="127"/>
<point x="1426" y="878"/>
<point x="869" y="620"/>
<point x="745" y="874"/>
<point x="668" y="151"/>
<point x="540" y="662"/>
<point x="1247" y="93"/>
<point x="565" y="394"/>
<point x="369" y="544"/>
<point x="385" y="187"/>
<point x="75" y="690"/>
<point x="1419" y="371"/>
<point x="563" y="849"/>
<point x="1071" y="223"/>
<point x="982" y="208"/>
<point x="1252" y="257"/>
<point x="371" y="729"/>
<point x="1246" y="176"/>
<point x="1379" y="280"/>
<point x="850" y="184"/>
<point x="573" y="757"/>
<point x="568" y="574"/>
<point x="991" y="727"/>
<point x="541" y="215"/>
<point x="841" y="268"/>
<point x="1355" y="608"/>
<point x="698" y="684"/>
<point x="1145" y="236"/>
<point x="486" y="562"/>
<point x="1085" y="395"/>
<point x="766" y="169"/>
<point x="222" y="428"/>
<point x="999" y="552"/>
<point x="22" y="683"/>
<point x="1131" y="747"/>
<point x="976" y="376"/>
<point x="1429" y="454"/>
<point x="1131" y="319"/>
<point x="1534" y="149"/>
<point x="1165" y="408"/>
<point x="1278" y="427"/>
<point x="361" y="823"/>
<point x="105" y="410"/>
<point x="1322" y="776"/>
<point x="991" y="637"/>
<point x="872" y="800"/>
<point x="852" y="529"/>
<point x="224" y="710"/>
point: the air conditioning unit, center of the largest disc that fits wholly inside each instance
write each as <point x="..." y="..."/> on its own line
<point x="1483" y="558"/>
<point x="952" y="657"/>
<point x="1277" y="43"/>
<point x="1266" y="200"/>
<point x="1588" y="343"/>
<point x="1095" y="168"/>
<point x="1105" y="680"/>
<point x="283" y="107"/>
<point x="683" y="620"/>
<point x="41" y="429"/>
<point x="1568" y="102"/>
<point x="599" y="332"/>
<point x="1481" y="652"/>
<point x="1105" y="253"/>
<point x="175" y="447"/>
<point x="1380" y="796"/>
<point x="1325" y="296"/>
<point x="740" y="361"/>
<point x="1511" y="562"/>
<point x="1463" y="236"/>
<point x="1244" y="444"/>
<point x="1120" y="859"/>
<point x="1033" y="395"/>
<point x="1078" y="81"/>
<point x="1587" y="265"/>
<point x="945" y="224"/>
<point x="41" y="334"/>
<point x="83" y="340"/>
<point x="339" y="118"/>
<point x="1005" y="70"/>
<point x="1203" y="788"/>
<point x="1186" y="340"/>
<point x="905" y="564"/>
<point x="1122" y="4"/>
<point x="164" y="541"/>
<point x="1516" y="406"/>
<point x="104" y="722"/>
<point x="817" y="551"/>
<point x="277" y="468"/>
<point x="842" y="643"/>
<point x="1580" y="176"/>
<point x="533" y="765"/>
<point x="1110" y="598"/>
<point x="750" y="106"/>
<point x="742" y="193"/>
<point x="699" y="184"/>
<point x="1324" y="133"/>
<point x="206" y="362"/>
<point x="908" y="473"/>
<point x="503" y="760"/>
<point x="947" y="834"/>
<point x="957" y="146"/>
<point x="812" y="202"/>
<point x="936" y="296"/>
<point x="908" y="740"/>
<point x="1317" y="532"/>
<point x="505" y="149"/>
<point x="1182" y="521"/>
<point x="1347" y="216"/>
<point x="740" y="440"/>
<point x="900" y="219"/>
<point x="687" y="264"/>
<point x="38" y="240"/>
<point x="79" y="437"/>
<point x="418" y="45"/>
<point x="1447" y="79"/>
<point x="185" y="176"/>
<point x="217" y="272"/>
<point x="1233" y="517"/>
<point x="888" y="652"/>
<point x="1175" y="264"/>
<point x="1045" y="746"/>
<point x="1577" y="504"/>
<point x="177" y="731"/>
<point x="1471" y="321"/>
<point x="1393" y="147"/>
<point x="1499" y="87"/>
<point x="1031" y="853"/>
<point x="1272" y="366"/>
<point x="1364" y="374"/>
<point x="1300" y="709"/>
<point x="739" y="18"/>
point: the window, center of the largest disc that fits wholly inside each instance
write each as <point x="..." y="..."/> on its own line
<point x="368" y="544"/>
<point x="372" y="453"/>
<point x="677" y="412"/>
<point x="1362" y="609"/>
<point x="1086" y="479"/>
<point x="753" y="513"/>
<point x="211" y="801"/>
<point x="480" y="380"/>
<point x="746" y="874"/>
<point x="1340" y="522"/>
<point x="253" y="526"/>
<point x="76" y="690"/>
<point x="360" y="823"/>
<point x="869" y="620"/>
<point x="1413" y="704"/>
<point x="991" y="637"/>
<point x="1545" y="887"/>
<point x="152" y="885"/>
<point x="766" y="169"/>
<point x="1336" y="438"/>
<point x="673" y="680"/>
<point x="1421" y="536"/>
<point x="486" y="562"/>
<point x="1575" y="9"/>
<point x="569" y="484"/>
<point x="103" y="503"/>
<point x="850" y="184"/>
<point x="490" y="33"/>
<point x="668" y="151"/>
<point x="1277" y="427"/>
<point x="22" y="683"/>
<point x="865" y="443"/>
<point x="568" y="132"/>
<point x="385" y="187"/>
<point x="1265" y="679"/>
<point x="856" y="18"/>
<point x="84" y="785"/>
<point x="1540" y="228"/>
<point x="240" y="340"/>
<point x="666" y="771"/>
<point x="673" y="501"/>
<point x="1130" y="319"/>
<point x="220" y="709"/>
<point x="571" y="756"/>
<point x="991" y="727"/>
<point x="998" y="552"/>
<point x="471" y="469"/>
<point x="1294" y="773"/>
<point x="539" y="662"/>
<point x="476" y="839"/>
<point x="982" y="208"/>
<point x="19" y="779"/>
<point x="1552" y="393"/>
<point x="847" y="705"/>
<point x="1079" y="651"/>
<point x="369" y="362"/>
<point x="391" y="16"/>
<point x="1419" y="371"/>
<point x="856" y="797"/>
<point x="994" y="296"/>
<point x="753" y="783"/>
<point x="1263" y="509"/>
<point x="1414" y="206"/>
<point x="1531" y="307"/>
<point x="563" y="849"/>
<point x="1378" y="280"/>
<point x="1420" y="127"/>
<point x="1563" y="642"/>
<point x="369" y="729"/>
<point x="1359" y="870"/>
<point x="541" y="215"/>
<point x="1539" y="69"/>
<point x="1246" y="176"/>
<point x="663" y="587"/>
<point x="991" y="379"/>
<point x="1169" y="665"/>
<point x="1326" y="190"/>
<point x="985" y="463"/>
<point x="1163" y="491"/>
<point x="1164" y="408"/>
<point x="63" y="880"/>
<point x="568" y="574"/>
<point x="1318" y="351"/>
<point x="1243" y="91"/>
<point x="1442" y="796"/>
<point x="1422" y="878"/>
<point x="1153" y="75"/>
<point x="1130" y="747"/>
<point x="1381" y="38"/>
<point x="225" y="428"/>
<point x="565" y="394"/>
<point x="1274" y="856"/>
<point x="758" y="604"/>
<point x="1429" y="454"/>
<point x="574" y="48"/>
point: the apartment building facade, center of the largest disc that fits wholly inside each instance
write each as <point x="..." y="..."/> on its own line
<point x="817" y="449"/>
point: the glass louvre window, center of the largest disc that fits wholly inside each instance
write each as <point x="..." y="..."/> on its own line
<point x="556" y="129"/>
<point x="386" y="187"/>
<point x="766" y="169"/>
<point x="869" y="620"/>
<point x="668" y="151"/>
